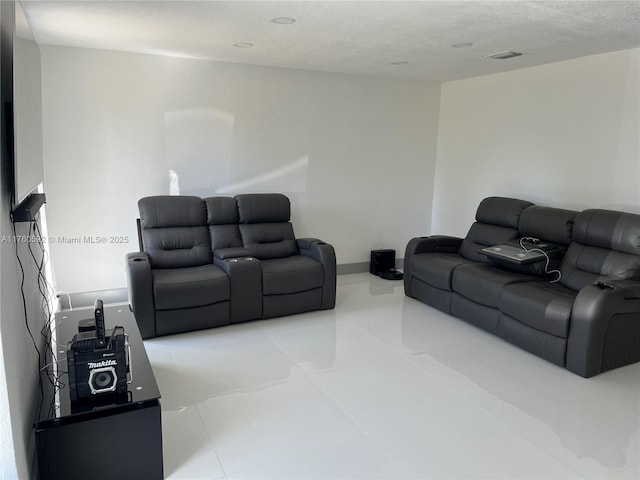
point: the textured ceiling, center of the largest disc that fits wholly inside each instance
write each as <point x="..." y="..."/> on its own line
<point x="354" y="37"/>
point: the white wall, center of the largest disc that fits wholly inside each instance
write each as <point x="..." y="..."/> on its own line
<point x="356" y="155"/>
<point x="565" y="134"/>
<point x="7" y="454"/>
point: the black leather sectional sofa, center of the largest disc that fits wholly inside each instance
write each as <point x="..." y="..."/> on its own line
<point x="210" y="262"/>
<point x="585" y="316"/>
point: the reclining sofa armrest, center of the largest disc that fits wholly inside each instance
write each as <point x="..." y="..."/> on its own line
<point x="245" y="278"/>
<point x="434" y="243"/>
<point x="140" y="288"/>
<point x="605" y="327"/>
<point x="326" y="255"/>
<point x="305" y="243"/>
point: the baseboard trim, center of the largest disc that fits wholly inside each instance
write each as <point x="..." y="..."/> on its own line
<point x="349" y="268"/>
<point x="361" y="267"/>
<point x="75" y="301"/>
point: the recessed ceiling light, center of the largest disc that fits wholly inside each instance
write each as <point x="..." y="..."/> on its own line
<point x="503" y="55"/>
<point x="462" y="45"/>
<point x="401" y="62"/>
<point x="243" y="45"/>
<point x="283" y="20"/>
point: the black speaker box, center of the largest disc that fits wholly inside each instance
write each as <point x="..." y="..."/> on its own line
<point x="382" y="261"/>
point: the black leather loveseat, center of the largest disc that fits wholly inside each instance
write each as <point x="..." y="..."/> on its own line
<point x="210" y="262"/>
<point x="584" y="316"/>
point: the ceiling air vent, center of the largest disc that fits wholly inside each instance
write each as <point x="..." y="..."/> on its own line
<point x="503" y="55"/>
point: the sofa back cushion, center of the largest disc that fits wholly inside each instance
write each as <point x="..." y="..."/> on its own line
<point x="174" y="231"/>
<point x="605" y="243"/>
<point x="554" y="225"/>
<point x="264" y="225"/>
<point x="496" y="223"/>
<point x="222" y="218"/>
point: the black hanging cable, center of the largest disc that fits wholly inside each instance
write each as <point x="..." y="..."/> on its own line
<point x="44" y="288"/>
<point x="44" y="358"/>
<point x="55" y="374"/>
<point x="47" y="293"/>
<point x="26" y="316"/>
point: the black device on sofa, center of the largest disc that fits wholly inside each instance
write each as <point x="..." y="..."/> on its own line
<point x="585" y="318"/>
<point x="220" y="260"/>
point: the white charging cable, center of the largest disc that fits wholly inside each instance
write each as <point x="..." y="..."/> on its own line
<point x="546" y="256"/>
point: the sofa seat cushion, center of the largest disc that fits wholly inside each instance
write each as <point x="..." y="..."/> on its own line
<point x="483" y="283"/>
<point x="290" y="275"/>
<point x="189" y="287"/>
<point x="436" y="269"/>
<point x="541" y="305"/>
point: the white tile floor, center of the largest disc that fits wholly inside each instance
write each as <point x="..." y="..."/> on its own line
<point x="385" y="387"/>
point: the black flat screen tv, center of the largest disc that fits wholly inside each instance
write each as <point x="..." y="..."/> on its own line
<point x="27" y="110"/>
<point x="22" y="96"/>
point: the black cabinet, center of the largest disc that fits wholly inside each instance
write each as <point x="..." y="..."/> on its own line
<point x="106" y="438"/>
